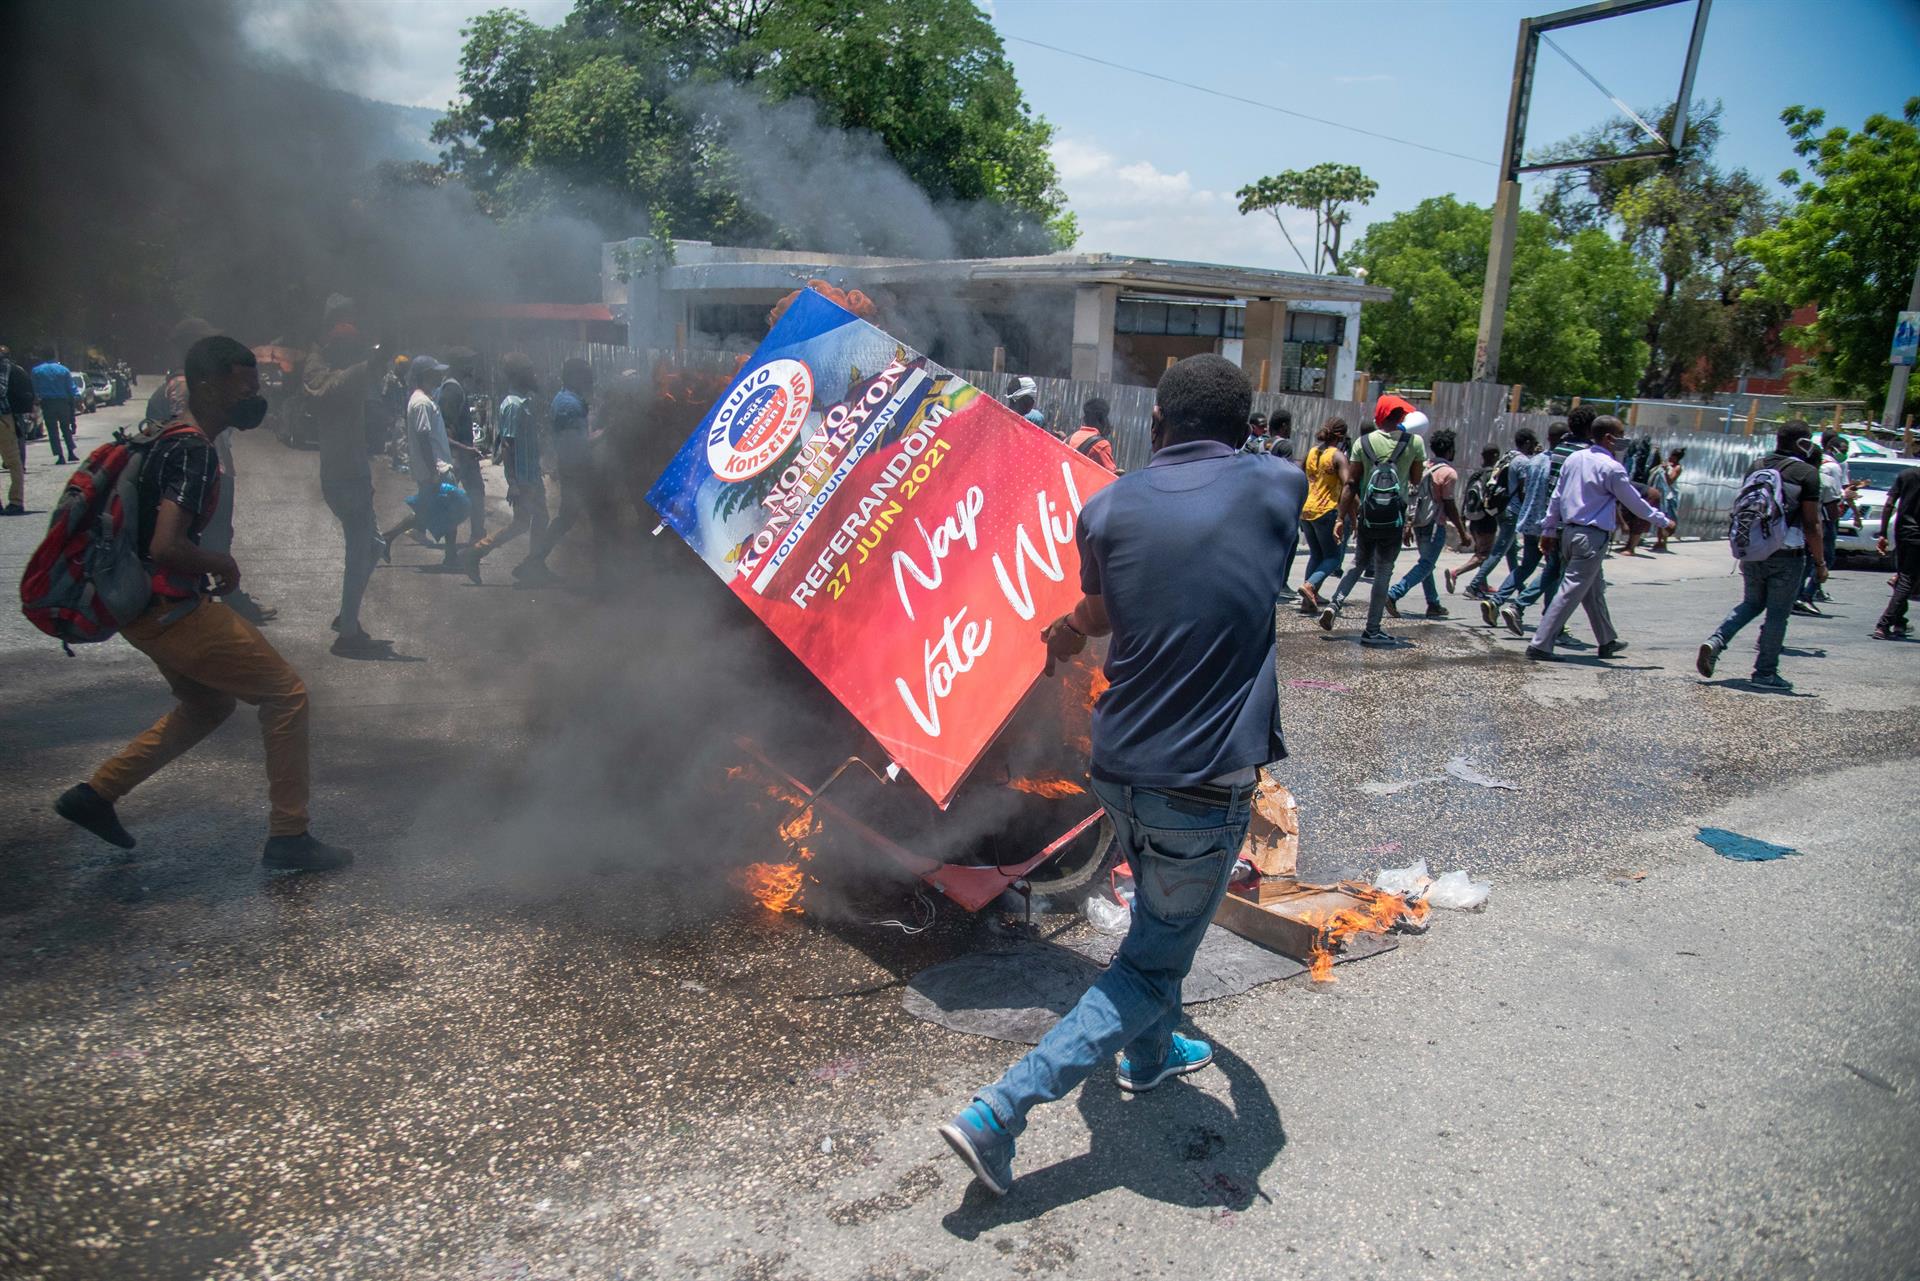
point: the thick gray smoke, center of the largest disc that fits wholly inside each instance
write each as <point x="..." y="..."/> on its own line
<point x="167" y="168"/>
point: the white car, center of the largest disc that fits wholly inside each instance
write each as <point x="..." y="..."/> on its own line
<point x="1858" y="531"/>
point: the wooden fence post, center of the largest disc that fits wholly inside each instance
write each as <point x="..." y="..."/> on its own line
<point x="1263" y="375"/>
<point x="1699" y="417"/>
<point x="680" y="338"/>
<point x="1836" y="415"/>
<point x="1633" y="414"/>
<point x="999" y="360"/>
<point x="1363" y="383"/>
<point x="1513" y="405"/>
<point x="1575" y="404"/>
<point x="1171" y="362"/>
<point x="1909" y="433"/>
<point x="1753" y="412"/>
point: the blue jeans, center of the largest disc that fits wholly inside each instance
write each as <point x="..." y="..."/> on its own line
<point x="1429" y="542"/>
<point x="1530" y="558"/>
<point x="1503" y="537"/>
<point x="1323" y="550"/>
<point x="1771" y="585"/>
<point x="1549" y="581"/>
<point x="1182" y="852"/>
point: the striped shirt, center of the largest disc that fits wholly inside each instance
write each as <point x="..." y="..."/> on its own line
<point x="182" y="468"/>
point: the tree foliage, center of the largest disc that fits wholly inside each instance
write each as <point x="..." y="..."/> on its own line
<point x="1326" y="190"/>
<point x="1575" y="316"/>
<point x="1850" y="244"/>
<point x="1688" y="219"/>
<point x="603" y="115"/>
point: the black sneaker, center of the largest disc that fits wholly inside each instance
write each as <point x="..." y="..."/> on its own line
<point x="1327" y="614"/>
<point x="1570" y="642"/>
<point x="1511" y="616"/>
<point x="14" y="509"/>
<point x="1393" y="608"/>
<point x="1613" y="649"/>
<point x="361" y="645"/>
<point x="1377" y="640"/>
<point x="250" y="609"/>
<point x="1710" y="650"/>
<point x="1542" y="655"/>
<point x="1807" y="609"/>
<point x="534" y="571"/>
<point x="1438" y="611"/>
<point x="1773" y="682"/>
<point x="303" y="853"/>
<point x="81" y="804"/>
<point x="471" y="563"/>
<point x="383" y="548"/>
<point x="1489" y="612"/>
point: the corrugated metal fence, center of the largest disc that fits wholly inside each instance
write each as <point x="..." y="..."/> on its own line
<point x="1714" y="465"/>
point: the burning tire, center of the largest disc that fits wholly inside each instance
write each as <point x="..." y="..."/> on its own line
<point x="1085" y="860"/>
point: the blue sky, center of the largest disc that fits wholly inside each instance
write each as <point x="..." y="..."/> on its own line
<point x="1151" y="168"/>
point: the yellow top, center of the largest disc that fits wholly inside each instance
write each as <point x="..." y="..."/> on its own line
<point x="1323" y="481"/>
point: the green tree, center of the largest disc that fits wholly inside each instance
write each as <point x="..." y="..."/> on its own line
<point x="1687" y="219"/>
<point x="601" y="115"/>
<point x="1850" y="244"/>
<point x="1326" y="190"/>
<point x="1575" y="316"/>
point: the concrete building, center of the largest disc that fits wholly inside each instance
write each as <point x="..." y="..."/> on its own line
<point x="1092" y="317"/>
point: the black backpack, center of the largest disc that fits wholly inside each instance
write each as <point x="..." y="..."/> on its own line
<point x="1383" y="506"/>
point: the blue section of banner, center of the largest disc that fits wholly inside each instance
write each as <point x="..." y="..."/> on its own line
<point x="707" y="511"/>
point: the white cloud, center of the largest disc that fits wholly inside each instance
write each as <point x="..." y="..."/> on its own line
<point x="1138" y="208"/>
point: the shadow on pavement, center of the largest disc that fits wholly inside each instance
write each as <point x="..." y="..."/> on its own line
<point x="1177" y="1145"/>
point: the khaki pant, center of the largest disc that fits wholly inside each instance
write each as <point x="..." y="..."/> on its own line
<point x="10" y="459"/>
<point x="213" y="658"/>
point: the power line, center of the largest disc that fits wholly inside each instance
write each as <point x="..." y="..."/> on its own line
<point x="1250" y="102"/>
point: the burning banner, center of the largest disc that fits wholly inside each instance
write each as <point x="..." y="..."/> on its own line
<point x="904" y="534"/>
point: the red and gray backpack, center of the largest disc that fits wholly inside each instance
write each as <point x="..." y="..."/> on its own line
<point x="86" y="579"/>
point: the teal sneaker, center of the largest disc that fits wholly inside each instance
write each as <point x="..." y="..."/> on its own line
<point x="1183" y="1056"/>
<point x="979" y="1139"/>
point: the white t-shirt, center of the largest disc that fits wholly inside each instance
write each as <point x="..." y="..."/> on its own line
<point x="428" y="454"/>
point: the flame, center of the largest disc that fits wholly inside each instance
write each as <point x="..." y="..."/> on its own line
<point x="1096" y="687"/>
<point x="1051" y="786"/>
<point x="1375" y="913"/>
<point x="776" y="886"/>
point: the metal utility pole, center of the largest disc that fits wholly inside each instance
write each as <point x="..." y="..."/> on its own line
<point x="1897" y="389"/>
<point x="1506" y="203"/>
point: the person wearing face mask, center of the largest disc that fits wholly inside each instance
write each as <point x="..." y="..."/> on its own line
<point x="210" y="656"/>
<point x="335" y="378"/>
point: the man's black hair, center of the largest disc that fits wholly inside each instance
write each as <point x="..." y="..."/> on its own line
<point x="1675" y="455"/>
<point x="1524" y="439"/>
<point x="575" y="370"/>
<point x="213" y="357"/>
<point x="1280" y="422"/>
<point x="1557" y="431"/>
<point x="1205" y="397"/>
<point x="1441" y="443"/>
<point x="1489" y="455"/>
<point x="517" y="368"/>
<point x="1094" y="414"/>
<point x="1792" y="433"/>
<point x="1580" y="422"/>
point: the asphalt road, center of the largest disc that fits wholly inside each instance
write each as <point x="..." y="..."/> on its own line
<point x="535" y="1033"/>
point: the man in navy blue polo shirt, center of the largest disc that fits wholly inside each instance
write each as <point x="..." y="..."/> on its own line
<point x="1181" y="562"/>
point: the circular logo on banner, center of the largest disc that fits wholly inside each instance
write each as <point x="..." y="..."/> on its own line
<point x="756" y="423"/>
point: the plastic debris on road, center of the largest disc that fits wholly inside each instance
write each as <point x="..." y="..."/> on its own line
<point x="1462" y="768"/>
<point x="1375" y="788"/>
<point x="1744" y="849"/>
<point x="1106" y="915"/>
<point x="1408" y="881"/>
<point x="1458" y="891"/>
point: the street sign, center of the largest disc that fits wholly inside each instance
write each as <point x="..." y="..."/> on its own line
<point x="1906" y="338"/>
<point x="904" y="534"/>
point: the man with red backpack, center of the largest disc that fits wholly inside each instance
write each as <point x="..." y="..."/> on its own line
<point x="211" y="657"/>
<point x="1094" y="435"/>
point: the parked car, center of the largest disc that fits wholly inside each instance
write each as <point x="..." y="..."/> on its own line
<point x="1860" y="526"/>
<point x="85" y="401"/>
<point x="107" y="388"/>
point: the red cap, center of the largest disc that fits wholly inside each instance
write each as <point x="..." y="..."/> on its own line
<point x="1386" y="405"/>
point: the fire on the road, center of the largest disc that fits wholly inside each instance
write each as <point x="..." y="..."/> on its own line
<point x="1375" y="913"/>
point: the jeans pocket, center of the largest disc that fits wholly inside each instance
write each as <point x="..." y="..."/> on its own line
<point x="1178" y="872"/>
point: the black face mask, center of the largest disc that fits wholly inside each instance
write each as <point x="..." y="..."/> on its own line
<point x="248" y="413"/>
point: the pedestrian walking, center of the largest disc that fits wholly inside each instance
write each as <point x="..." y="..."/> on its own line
<point x="1180" y="563"/>
<point x="573" y="455"/>
<point x="518" y="449"/>
<point x="338" y="377"/>
<point x="1434" y="510"/>
<point x="1326" y="481"/>
<point x="1022" y="398"/>
<point x="1666" y="483"/>
<point x="210" y="656"/>
<point x="1094" y="436"/>
<point x="1836" y="495"/>
<point x="1580" y="521"/>
<point x="429" y="461"/>
<point x="1562" y="444"/>
<point x="1258" y="441"/>
<point x="1481" y="507"/>
<point x="1382" y="469"/>
<point x="1775" y="529"/>
<point x="1519" y="472"/>
<point x="457" y="413"/>
<point x="1902" y="513"/>
<point x="16" y="405"/>
<point x="53" y="388"/>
